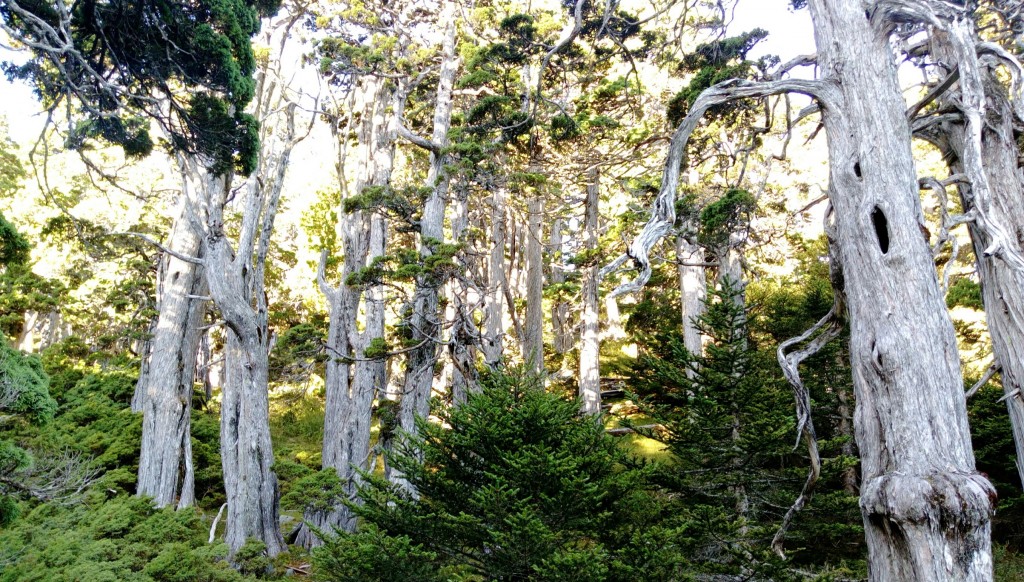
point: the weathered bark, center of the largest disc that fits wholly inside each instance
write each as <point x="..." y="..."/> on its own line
<point x="164" y="391"/>
<point x="236" y="279"/>
<point x="982" y="148"/>
<point x="692" y="291"/>
<point x="926" y="509"/>
<point x="533" y="326"/>
<point x="425" y="321"/>
<point x="590" y="340"/>
<point x="351" y="382"/>
<point x="560" y="308"/>
<point x="496" y="283"/>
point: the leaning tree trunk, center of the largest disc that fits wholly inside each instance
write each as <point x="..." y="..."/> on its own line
<point x="590" y="339"/>
<point x="164" y="392"/>
<point x="926" y="509"/>
<point x="985" y="145"/>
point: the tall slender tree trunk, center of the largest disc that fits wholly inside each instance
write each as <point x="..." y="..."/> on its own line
<point x="464" y="336"/>
<point x="590" y="339"/>
<point x="164" y="391"/>
<point x="533" y="327"/>
<point x="426" y="317"/>
<point x="692" y="291"/>
<point x="496" y="282"/>
<point x="926" y="509"/>
<point x="560" y="308"/>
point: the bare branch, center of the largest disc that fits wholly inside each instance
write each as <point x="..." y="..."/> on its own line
<point x="663" y="216"/>
<point x="991" y="371"/>
<point x="175" y="254"/>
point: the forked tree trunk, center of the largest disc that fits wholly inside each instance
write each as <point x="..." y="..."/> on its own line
<point x="164" y="391"/>
<point x="590" y="339"/>
<point x="926" y="509"/>
<point x="351" y="383"/>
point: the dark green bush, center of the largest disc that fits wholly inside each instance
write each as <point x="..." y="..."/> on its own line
<point x="515" y="484"/>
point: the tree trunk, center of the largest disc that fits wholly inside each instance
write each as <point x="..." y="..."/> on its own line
<point x="426" y="317"/>
<point x="1002" y="284"/>
<point x="590" y="340"/>
<point x="533" y="327"/>
<point x="351" y="384"/>
<point x="164" y="391"/>
<point x="692" y="291"/>
<point x="560" y="308"/>
<point x="464" y="336"/>
<point x="926" y="509"/>
<point x="496" y="283"/>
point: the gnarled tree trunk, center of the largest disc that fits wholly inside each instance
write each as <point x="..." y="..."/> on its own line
<point x="164" y="391"/>
<point x="926" y="509"/>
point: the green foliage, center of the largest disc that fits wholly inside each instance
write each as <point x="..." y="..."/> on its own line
<point x="372" y="555"/>
<point x="515" y="484"/>
<point x="133" y="52"/>
<point x="965" y="293"/>
<point x="319" y="491"/>
<point x="120" y="539"/>
<point x="719" y="218"/>
<point x="712" y="63"/>
<point x="24" y="384"/>
<point x="728" y="423"/>
<point x="14" y="248"/>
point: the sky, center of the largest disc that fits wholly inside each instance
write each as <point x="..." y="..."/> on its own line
<point x="789" y="32"/>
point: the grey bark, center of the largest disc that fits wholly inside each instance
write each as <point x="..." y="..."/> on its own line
<point x="692" y="291"/>
<point x="590" y="340"/>
<point x="982" y="148"/>
<point x="533" y="326"/>
<point x="464" y="337"/>
<point x="236" y="279"/>
<point x="164" y="391"/>
<point x="496" y="283"/>
<point x="351" y="383"/>
<point x="926" y="509"/>
<point x="560" y="308"/>
<point x="426" y="317"/>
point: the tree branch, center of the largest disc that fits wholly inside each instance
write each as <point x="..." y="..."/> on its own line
<point x="663" y="215"/>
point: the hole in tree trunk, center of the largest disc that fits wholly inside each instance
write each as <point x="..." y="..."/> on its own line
<point x="856" y="170"/>
<point x="881" y="224"/>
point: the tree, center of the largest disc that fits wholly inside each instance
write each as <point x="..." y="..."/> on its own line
<point x="911" y="426"/>
<point x="979" y="141"/>
<point x="516" y="484"/>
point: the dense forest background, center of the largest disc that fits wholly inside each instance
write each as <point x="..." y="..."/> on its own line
<point x="331" y="289"/>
